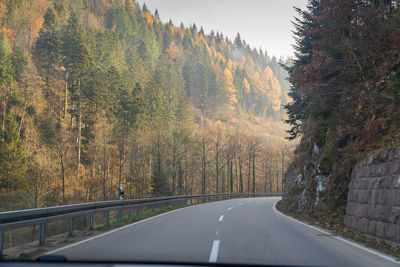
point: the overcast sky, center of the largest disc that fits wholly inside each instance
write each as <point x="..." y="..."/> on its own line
<point x="262" y="23"/>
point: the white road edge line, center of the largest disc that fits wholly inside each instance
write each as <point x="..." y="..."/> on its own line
<point x="221" y="218"/>
<point x="214" y="251"/>
<point x="375" y="252"/>
<point x="230" y="208"/>
<point x="114" y="230"/>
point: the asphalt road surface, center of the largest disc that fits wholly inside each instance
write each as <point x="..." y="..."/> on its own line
<point x="246" y="230"/>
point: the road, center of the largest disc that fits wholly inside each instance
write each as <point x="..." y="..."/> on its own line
<point x="233" y="231"/>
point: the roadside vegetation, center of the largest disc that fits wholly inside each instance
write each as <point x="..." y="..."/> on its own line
<point x="346" y="97"/>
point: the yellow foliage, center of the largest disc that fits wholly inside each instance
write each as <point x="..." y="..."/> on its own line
<point x="246" y="86"/>
<point x="229" y="86"/>
<point x="228" y="79"/>
<point x="130" y="5"/>
<point x="219" y="126"/>
<point x="220" y="57"/>
<point x="233" y="99"/>
<point x="37" y="24"/>
<point x="223" y="44"/>
<point x="272" y="88"/>
<point x="201" y="37"/>
<point x="209" y="51"/>
<point x="249" y="61"/>
<point x="213" y="51"/>
<point x="229" y="64"/>
<point x="10" y="34"/>
<point x="204" y="43"/>
<point x="258" y="84"/>
<point x="149" y="18"/>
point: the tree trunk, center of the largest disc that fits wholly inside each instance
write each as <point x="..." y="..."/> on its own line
<point x="66" y="96"/>
<point x="265" y="176"/>
<point x="254" y="173"/>
<point x="174" y="160"/>
<point x="216" y="172"/>
<point x="231" y="178"/>
<point x="203" y="169"/>
<point x="249" y="173"/>
<point x="277" y="178"/>
<point x="180" y="177"/>
<point x="283" y="169"/>
<point x="236" y="176"/>
<point x="240" y="176"/>
<point x="4" y="115"/>
<point x="79" y="126"/>
<point x="186" y="171"/>
<point x="62" y="172"/>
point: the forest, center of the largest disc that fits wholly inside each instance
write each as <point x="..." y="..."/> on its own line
<point x="346" y="93"/>
<point x="98" y="93"/>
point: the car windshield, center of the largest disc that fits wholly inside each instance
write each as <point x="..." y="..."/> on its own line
<point x="200" y="131"/>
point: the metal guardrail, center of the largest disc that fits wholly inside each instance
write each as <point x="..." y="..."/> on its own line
<point x="23" y="218"/>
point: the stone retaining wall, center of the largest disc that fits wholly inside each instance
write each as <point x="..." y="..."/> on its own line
<point x="373" y="205"/>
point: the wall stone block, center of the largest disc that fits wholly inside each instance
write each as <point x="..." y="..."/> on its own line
<point x="373" y="205"/>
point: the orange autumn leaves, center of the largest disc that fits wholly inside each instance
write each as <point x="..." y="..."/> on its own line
<point x="262" y="82"/>
<point x="272" y="88"/>
<point x="230" y="87"/>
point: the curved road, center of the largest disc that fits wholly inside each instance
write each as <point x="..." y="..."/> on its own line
<point x="233" y="231"/>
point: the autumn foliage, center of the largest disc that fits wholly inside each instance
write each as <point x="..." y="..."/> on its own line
<point x="98" y="93"/>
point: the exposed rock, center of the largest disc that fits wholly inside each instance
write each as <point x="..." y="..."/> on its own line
<point x="299" y="179"/>
<point x="315" y="150"/>
<point x="321" y="181"/>
<point x="305" y="199"/>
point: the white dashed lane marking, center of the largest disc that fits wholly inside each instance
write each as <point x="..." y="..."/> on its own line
<point x="214" y="251"/>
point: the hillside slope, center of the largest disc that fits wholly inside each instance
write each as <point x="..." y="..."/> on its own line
<point x="346" y="99"/>
<point x="99" y="93"/>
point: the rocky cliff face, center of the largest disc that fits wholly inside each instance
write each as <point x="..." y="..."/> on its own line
<point x="305" y="184"/>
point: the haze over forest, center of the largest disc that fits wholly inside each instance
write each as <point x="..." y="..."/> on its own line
<point x="99" y="93"/>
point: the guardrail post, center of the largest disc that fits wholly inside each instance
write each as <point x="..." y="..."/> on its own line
<point x="137" y="211"/>
<point x="152" y="207"/>
<point x="70" y="226"/>
<point x="107" y="217"/>
<point x="1" y="241"/>
<point x="41" y="234"/>
<point x="91" y="215"/>
<point x="119" y="215"/>
<point x="129" y="213"/>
